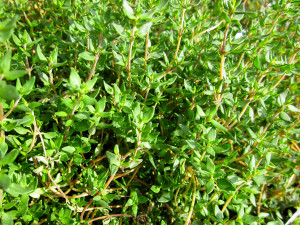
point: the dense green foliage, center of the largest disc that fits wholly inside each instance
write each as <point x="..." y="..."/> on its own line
<point x="149" y="112"/>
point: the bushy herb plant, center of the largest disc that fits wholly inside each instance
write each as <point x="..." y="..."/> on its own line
<point x="149" y="112"/>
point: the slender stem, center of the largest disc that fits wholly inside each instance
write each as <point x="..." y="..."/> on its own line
<point x="130" y="52"/>
<point x="93" y="162"/>
<point x="241" y="114"/>
<point x="240" y="60"/>
<point x="278" y="82"/>
<point x="146" y="50"/>
<point x="108" y="216"/>
<point x="179" y="38"/>
<point x="46" y="157"/>
<point x="91" y="201"/>
<point x="193" y="202"/>
<point x="33" y="140"/>
<point x="94" y="67"/>
<point x="209" y="29"/>
<point x="138" y="143"/>
<point x="51" y="79"/>
<point x="222" y="66"/>
<point x="223" y="53"/>
<point x="260" y="197"/>
<point x="274" y="23"/>
<point x="231" y="196"/>
<point x="135" y="172"/>
<point x="126" y="173"/>
<point x="96" y="58"/>
<point x="294" y="125"/>
<point x="11" y="109"/>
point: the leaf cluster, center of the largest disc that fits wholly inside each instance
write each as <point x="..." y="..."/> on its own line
<point x="149" y="112"/>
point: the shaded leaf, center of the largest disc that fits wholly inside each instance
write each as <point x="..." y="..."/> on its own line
<point x="225" y="185"/>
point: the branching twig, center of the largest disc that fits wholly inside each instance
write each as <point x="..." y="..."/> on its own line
<point x="11" y="109"/>
<point x="46" y="157"/>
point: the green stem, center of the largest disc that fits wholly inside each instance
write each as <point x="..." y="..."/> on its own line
<point x="129" y="54"/>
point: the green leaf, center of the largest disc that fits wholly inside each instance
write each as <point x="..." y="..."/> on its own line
<point x="53" y="56"/>
<point x="209" y="186"/>
<point x="218" y="125"/>
<point x="188" y="86"/>
<point x="28" y="86"/>
<point x="87" y="56"/>
<point x="19" y="189"/>
<point x="4" y="182"/>
<point x="7" y="28"/>
<point x="113" y="158"/>
<point x="162" y="5"/>
<point x="26" y="121"/>
<point x="211" y="136"/>
<point x="61" y="114"/>
<point x="250" y="219"/>
<point x="42" y="159"/>
<point x="148" y="15"/>
<point x="210" y="151"/>
<point x="136" y="110"/>
<point x="165" y="197"/>
<point x="103" y="203"/>
<point x="210" y="165"/>
<point x="257" y="63"/>
<point x="199" y="113"/>
<point x="88" y="100"/>
<point x="9" y="157"/>
<point x="50" y="135"/>
<point x="218" y="213"/>
<point x="37" y="193"/>
<point x="7" y="219"/>
<point x="69" y="122"/>
<point x="119" y="29"/>
<point x="100" y="105"/>
<point x="69" y="149"/>
<point x="90" y="84"/>
<point x="253" y="200"/>
<point x="144" y="29"/>
<point x="79" y="27"/>
<point x="108" y="88"/>
<point x="75" y="80"/>
<point x="3" y="148"/>
<point x="285" y="116"/>
<point x="193" y="144"/>
<point x="12" y="75"/>
<point x="261" y="179"/>
<point x="16" y="40"/>
<point x="225" y="17"/>
<point x="293" y="108"/>
<point x="134" y="209"/>
<point x="252" y="134"/>
<point x="117" y="93"/>
<point x="40" y="54"/>
<point x="5" y="62"/>
<point x="128" y="11"/>
<point x="81" y="116"/>
<point x="225" y="185"/>
<point x="155" y="188"/>
<point x="252" y="163"/>
<point x="148" y="115"/>
<point x="21" y="130"/>
<point x="213" y="111"/>
<point x="118" y="58"/>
